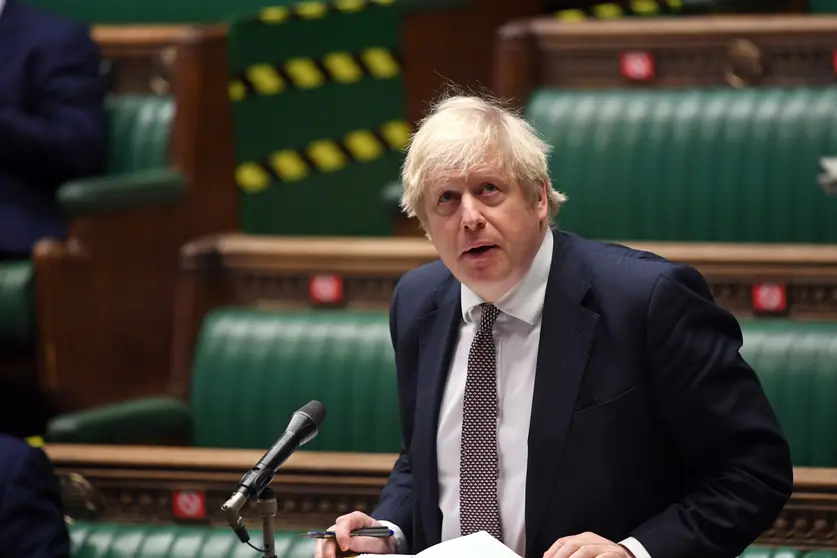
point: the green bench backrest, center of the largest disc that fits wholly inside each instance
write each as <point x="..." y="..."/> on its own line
<point x="97" y="540"/>
<point x="140" y="127"/>
<point x="797" y="365"/>
<point x="253" y="369"/>
<point x="140" y="132"/>
<point x="785" y="552"/>
<point x="692" y="164"/>
<point x="112" y="540"/>
<point x="17" y="304"/>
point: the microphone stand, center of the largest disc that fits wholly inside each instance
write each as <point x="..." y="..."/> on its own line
<point x="266" y="504"/>
<point x="267" y="508"/>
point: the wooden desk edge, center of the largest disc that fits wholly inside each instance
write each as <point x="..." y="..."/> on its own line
<point x="106" y="456"/>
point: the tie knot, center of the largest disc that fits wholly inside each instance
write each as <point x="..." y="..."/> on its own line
<point x="489" y="316"/>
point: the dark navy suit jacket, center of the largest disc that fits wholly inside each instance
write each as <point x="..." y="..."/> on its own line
<point x="53" y="126"/>
<point x="646" y="421"/>
<point x="31" y="515"/>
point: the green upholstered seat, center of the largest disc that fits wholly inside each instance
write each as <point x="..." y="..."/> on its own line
<point x="692" y="164"/>
<point x="139" y="171"/>
<point x="785" y="552"/>
<point x="252" y="369"/>
<point x="96" y="540"/>
<point x="797" y="365"/>
<point x="140" y="127"/>
<point x="17" y="315"/>
<point x="111" y="540"/>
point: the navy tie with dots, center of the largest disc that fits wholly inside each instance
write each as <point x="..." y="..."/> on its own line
<point x="479" y="509"/>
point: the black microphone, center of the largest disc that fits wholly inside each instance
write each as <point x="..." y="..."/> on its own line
<point x="302" y="428"/>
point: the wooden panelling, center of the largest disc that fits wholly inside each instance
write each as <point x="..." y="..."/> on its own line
<point x="126" y="484"/>
<point x="731" y="51"/>
<point x="105" y="295"/>
<point x="454" y="46"/>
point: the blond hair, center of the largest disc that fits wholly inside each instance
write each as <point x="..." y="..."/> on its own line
<point x="462" y="132"/>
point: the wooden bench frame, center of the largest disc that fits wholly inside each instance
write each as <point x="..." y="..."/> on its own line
<point x="736" y="51"/>
<point x="135" y="484"/>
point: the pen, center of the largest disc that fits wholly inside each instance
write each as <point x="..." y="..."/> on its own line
<point x="380" y="532"/>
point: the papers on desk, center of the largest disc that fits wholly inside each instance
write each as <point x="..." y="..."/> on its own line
<point x="476" y="545"/>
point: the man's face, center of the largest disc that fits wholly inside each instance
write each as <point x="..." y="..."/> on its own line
<point x="485" y="229"/>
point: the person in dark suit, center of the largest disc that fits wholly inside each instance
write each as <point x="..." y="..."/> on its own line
<point x="573" y="398"/>
<point x="31" y="513"/>
<point x="53" y="126"/>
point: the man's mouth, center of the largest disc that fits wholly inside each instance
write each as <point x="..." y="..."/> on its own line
<point x="480" y="250"/>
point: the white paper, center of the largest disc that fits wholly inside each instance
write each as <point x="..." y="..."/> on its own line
<point x="476" y="545"/>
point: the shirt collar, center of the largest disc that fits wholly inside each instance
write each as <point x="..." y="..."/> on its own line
<point x="524" y="301"/>
<point x="2" y="5"/>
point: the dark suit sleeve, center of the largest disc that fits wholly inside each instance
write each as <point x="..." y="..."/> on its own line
<point x="713" y="405"/>
<point x="64" y="134"/>
<point x="396" y="504"/>
<point x="31" y="514"/>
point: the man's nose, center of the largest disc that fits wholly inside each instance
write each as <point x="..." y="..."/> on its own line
<point x="472" y="217"/>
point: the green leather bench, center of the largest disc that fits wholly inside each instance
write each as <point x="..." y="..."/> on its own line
<point x="797" y="365"/>
<point x="17" y="312"/>
<point x="140" y="126"/>
<point x="95" y="540"/>
<point x="690" y="164"/>
<point x="138" y="166"/>
<point x="251" y="370"/>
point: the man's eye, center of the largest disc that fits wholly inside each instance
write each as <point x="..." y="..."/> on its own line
<point x="489" y="187"/>
<point x="445" y="197"/>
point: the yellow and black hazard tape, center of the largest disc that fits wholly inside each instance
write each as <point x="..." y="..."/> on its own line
<point x="276" y="15"/>
<point x="324" y="156"/>
<point x="311" y="73"/>
<point x="616" y="10"/>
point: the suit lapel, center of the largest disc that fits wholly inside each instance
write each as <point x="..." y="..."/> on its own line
<point x="566" y="333"/>
<point x="438" y="331"/>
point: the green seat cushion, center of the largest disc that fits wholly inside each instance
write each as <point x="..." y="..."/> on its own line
<point x="253" y="368"/>
<point x="797" y="365"/>
<point x="786" y="552"/>
<point x="713" y="164"/>
<point x="772" y="552"/>
<point x="112" y="540"/>
<point x="17" y="305"/>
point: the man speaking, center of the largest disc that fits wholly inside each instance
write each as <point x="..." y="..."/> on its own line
<point x="572" y="398"/>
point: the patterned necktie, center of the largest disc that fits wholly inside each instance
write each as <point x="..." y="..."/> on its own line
<point x="478" y="469"/>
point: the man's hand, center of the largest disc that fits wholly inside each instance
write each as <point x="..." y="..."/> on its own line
<point x="586" y="545"/>
<point x="343" y="542"/>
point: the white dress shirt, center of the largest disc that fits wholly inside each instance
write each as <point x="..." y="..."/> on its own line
<point x="516" y="338"/>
